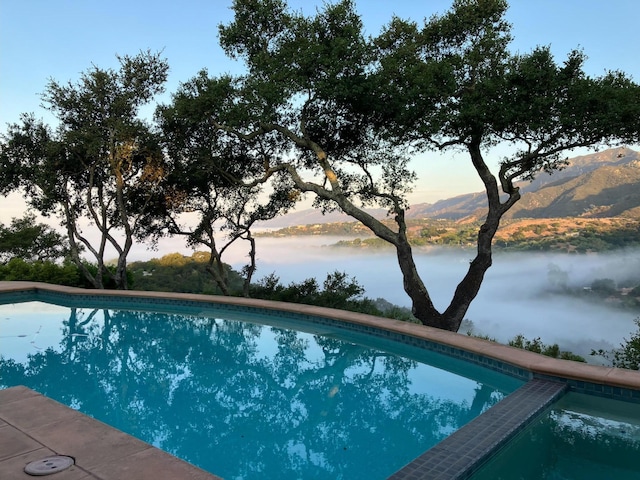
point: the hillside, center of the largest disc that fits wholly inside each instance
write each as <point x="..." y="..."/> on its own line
<point x="599" y="185"/>
<point x="603" y="184"/>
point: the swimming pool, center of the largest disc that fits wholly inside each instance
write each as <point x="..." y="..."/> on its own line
<point x="246" y="396"/>
<point x="580" y="437"/>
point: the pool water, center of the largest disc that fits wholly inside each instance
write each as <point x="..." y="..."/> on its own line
<point x="581" y="437"/>
<point x="243" y="399"/>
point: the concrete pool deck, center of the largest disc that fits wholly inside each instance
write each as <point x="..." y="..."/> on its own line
<point x="33" y="426"/>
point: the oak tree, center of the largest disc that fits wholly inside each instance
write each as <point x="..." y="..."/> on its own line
<point x="348" y="110"/>
<point x="98" y="169"/>
<point x="216" y="190"/>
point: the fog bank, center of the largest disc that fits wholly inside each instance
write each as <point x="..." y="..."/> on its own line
<point x="516" y="296"/>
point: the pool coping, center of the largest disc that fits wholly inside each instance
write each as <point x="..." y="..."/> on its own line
<point x="558" y="375"/>
<point x="580" y="376"/>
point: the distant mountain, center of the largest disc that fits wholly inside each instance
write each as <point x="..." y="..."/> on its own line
<point x="602" y="184"/>
<point x="312" y="216"/>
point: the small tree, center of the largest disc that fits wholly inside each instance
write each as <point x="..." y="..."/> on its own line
<point x="216" y="178"/>
<point x="628" y="355"/>
<point x="98" y="170"/>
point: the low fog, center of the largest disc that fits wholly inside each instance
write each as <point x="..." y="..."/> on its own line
<point x="516" y="297"/>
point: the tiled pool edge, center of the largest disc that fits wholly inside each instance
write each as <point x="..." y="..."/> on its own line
<point x="462" y="453"/>
<point x="606" y="382"/>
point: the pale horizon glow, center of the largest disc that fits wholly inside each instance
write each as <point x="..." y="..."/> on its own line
<point x="60" y="39"/>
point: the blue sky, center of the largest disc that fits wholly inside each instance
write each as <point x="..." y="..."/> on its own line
<point x="59" y="39"/>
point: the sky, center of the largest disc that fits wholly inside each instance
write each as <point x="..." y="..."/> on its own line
<point x="60" y="39"/>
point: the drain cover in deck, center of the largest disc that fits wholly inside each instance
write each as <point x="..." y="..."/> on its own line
<point x="49" y="465"/>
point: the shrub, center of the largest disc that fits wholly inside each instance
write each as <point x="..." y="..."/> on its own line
<point x="536" y="345"/>
<point x="628" y="355"/>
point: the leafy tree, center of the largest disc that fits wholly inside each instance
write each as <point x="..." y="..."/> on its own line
<point x="26" y="239"/>
<point x="177" y="273"/>
<point x="212" y="176"/>
<point x="604" y="286"/>
<point x="628" y="355"/>
<point x="344" y="112"/>
<point x="98" y="170"/>
<point x="18" y="269"/>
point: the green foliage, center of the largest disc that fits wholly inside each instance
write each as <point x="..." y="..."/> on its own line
<point x="174" y="260"/>
<point x="26" y="239"/>
<point x="18" y="269"/>
<point x="628" y="355"/>
<point x="536" y="345"/>
<point x="175" y="272"/>
<point x="335" y="112"/>
<point x="101" y="162"/>
<point x="338" y="291"/>
<point x="389" y="310"/>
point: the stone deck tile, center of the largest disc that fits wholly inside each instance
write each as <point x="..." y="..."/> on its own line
<point x="33" y="427"/>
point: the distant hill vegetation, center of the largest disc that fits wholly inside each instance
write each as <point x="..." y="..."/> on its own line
<point x="600" y="185"/>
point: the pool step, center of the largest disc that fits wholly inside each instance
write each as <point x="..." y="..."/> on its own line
<point x="461" y="454"/>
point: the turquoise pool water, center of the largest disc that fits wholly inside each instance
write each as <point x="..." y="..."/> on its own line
<point x="581" y="437"/>
<point x="243" y="399"/>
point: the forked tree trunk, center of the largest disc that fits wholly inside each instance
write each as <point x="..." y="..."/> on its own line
<point x="466" y="291"/>
<point x="422" y="305"/>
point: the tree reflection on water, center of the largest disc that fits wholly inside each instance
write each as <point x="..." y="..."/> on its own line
<point x="244" y="400"/>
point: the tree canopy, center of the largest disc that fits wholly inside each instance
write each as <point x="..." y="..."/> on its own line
<point x="28" y="240"/>
<point x="345" y="111"/>
<point x="323" y="109"/>
<point x="215" y="179"/>
<point x="98" y="169"/>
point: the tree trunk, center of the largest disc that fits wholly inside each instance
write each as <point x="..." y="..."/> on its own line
<point x="422" y="305"/>
<point x="468" y="288"/>
<point x="250" y="269"/>
<point x="216" y="268"/>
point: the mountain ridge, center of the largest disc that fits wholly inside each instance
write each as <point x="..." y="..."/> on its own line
<point x="598" y="185"/>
